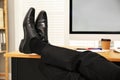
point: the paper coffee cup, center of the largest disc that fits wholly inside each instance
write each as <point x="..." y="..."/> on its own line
<point x="105" y="44"/>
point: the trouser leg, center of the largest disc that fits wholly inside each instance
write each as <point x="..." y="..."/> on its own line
<point x="96" y="67"/>
<point x="60" y="57"/>
<point x="55" y="73"/>
<point x="90" y="64"/>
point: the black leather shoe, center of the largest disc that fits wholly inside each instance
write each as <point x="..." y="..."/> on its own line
<point x="42" y="25"/>
<point x="29" y="31"/>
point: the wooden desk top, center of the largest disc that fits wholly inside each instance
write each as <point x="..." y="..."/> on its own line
<point x="110" y="55"/>
<point x="21" y="55"/>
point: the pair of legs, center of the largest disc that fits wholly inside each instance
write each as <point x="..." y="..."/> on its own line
<point x="89" y="64"/>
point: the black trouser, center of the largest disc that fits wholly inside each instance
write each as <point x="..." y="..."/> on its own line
<point x="49" y="72"/>
<point x="90" y="65"/>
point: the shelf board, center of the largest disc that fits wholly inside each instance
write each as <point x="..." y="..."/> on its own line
<point x="2" y="74"/>
<point x="2" y="52"/>
<point x="2" y="28"/>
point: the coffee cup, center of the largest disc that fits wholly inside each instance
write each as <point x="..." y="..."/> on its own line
<point x="105" y="44"/>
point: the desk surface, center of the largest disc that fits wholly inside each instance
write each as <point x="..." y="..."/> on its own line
<point x="21" y="55"/>
<point x="110" y="55"/>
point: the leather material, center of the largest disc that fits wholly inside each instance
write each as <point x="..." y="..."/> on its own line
<point x="29" y="31"/>
<point x="42" y="25"/>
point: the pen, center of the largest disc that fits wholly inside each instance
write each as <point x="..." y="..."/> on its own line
<point x="94" y="49"/>
<point x="88" y="48"/>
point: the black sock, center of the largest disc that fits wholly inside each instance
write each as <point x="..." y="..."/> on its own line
<point x="36" y="45"/>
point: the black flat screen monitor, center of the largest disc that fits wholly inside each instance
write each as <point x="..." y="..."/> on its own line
<point x="94" y="16"/>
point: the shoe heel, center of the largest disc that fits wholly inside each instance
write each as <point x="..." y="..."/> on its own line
<point x="24" y="48"/>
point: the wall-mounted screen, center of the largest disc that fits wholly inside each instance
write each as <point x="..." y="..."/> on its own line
<point x="95" y="16"/>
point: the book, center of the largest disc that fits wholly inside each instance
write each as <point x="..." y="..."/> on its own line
<point x="1" y="19"/>
<point x="3" y="44"/>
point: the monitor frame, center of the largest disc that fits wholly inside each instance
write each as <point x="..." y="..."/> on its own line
<point x="85" y="32"/>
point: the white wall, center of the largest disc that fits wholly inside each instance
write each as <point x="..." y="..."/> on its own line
<point x="11" y="25"/>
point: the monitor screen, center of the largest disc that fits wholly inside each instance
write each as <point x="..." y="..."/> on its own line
<point x="95" y="16"/>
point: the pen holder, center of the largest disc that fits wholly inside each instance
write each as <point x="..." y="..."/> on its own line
<point x="105" y="44"/>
